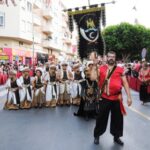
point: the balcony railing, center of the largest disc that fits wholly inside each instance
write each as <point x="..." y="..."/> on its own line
<point x="47" y="29"/>
<point x="47" y="13"/>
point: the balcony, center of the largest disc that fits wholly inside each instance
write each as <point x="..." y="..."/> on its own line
<point x="37" y="4"/>
<point x="47" y="29"/>
<point x="51" y="45"/>
<point x="47" y="13"/>
<point x="36" y="20"/>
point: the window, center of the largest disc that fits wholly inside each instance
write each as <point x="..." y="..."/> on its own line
<point x="29" y="6"/>
<point x="23" y="25"/>
<point x="2" y="19"/>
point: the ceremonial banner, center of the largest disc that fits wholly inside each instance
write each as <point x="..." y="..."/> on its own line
<point x="89" y="30"/>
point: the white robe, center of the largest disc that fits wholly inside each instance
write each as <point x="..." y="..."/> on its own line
<point x="66" y="86"/>
<point x="11" y="94"/>
<point x="40" y="89"/>
<point x="75" y="85"/>
<point x="50" y="89"/>
<point x="24" y="91"/>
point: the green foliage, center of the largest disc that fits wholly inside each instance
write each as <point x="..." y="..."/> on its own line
<point x="127" y="39"/>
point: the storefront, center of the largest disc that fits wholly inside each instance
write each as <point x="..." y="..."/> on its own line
<point x="5" y="55"/>
<point x="42" y="58"/>
<point x="22" y="56"/>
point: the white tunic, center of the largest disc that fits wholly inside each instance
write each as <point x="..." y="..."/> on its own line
<point x="24" y="91"/>
<point x="11" y="94"/>
<point x="50" y="89"/>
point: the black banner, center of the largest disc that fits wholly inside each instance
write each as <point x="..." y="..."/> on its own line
<point x="89" y="28"/>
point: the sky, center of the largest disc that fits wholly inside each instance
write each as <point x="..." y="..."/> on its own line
<point x="121" y="11"/>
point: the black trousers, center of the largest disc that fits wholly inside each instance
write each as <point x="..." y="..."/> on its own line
<point x="116" y="125"/>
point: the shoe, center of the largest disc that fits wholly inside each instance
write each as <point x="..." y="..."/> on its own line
<point x="118" y="141"/>
<point x="75" y="114"/>
<point x="96" y="140"/>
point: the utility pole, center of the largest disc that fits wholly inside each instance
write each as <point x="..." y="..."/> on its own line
<point x="89" y="2"/>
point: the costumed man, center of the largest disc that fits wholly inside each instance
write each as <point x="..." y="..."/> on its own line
<point x="87" y="106"/>
<point x="13" y="86"/>
<point x="111" y="80"/>
<point x="38" y="90"/>
<point x="52" y="87"/>
<point x="26" y="92"/>
<point x="65" y="77"/>
<point x="78" y="77"/>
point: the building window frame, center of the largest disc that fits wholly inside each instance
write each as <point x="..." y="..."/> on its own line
<point x="2" y="19"/>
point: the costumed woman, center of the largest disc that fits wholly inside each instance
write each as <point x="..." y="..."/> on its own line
<point x="13" y="86"/>
<point x="38" y="90"/>
<point x="52" y="87"/>
<point x="26" y="92"/>
<point x="87" y="106"/>
<point x="78" y="77"/>
<point x="65" y="76"/>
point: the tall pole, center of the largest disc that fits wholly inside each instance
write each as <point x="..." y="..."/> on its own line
<point x="89" y="2"/>
<point x="33" y="40"/>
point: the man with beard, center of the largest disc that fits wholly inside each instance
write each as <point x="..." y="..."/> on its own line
<point x="111" y="99"/>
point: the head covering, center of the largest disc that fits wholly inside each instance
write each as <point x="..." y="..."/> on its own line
<point x="25" y="69"/>
<point x="13" y="72"/>
<point x="64" y="63"/>
<point x="52" y="66"/>
<point x="39" y="69"/>
<point x="47" y="63"/>
<point x="77" y="65"/>
<point x="89" y="63"/>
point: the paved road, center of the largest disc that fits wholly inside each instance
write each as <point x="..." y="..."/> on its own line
<point x="58" y="129"/>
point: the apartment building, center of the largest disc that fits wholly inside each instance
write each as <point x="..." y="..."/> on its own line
<point x="34" y="31"/>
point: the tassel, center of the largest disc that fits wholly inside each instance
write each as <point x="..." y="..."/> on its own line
<point x="103" y="15"/>
<point x="70" y="23"/>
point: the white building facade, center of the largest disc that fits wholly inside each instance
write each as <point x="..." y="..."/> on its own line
<point x="34" y="31"/>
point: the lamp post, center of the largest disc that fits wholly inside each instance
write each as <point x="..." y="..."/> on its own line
<point x="89" y="2"/>
<point x="32" y="42"/>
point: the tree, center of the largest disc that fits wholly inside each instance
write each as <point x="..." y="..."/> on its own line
<point x="127" y="40"/>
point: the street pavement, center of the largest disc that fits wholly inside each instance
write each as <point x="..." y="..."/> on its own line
<point x="58" y="129"/>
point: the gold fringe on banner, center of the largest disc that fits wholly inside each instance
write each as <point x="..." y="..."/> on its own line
<point x="84" y="11"/>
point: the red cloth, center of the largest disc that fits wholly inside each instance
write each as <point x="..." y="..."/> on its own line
<point x="114" y="85"/>
<point x="19" y="74"/>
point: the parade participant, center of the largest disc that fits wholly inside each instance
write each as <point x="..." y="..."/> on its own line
<point x="39" y="90"/>
<point x="52" y="87"/>
<point x="87" y="106"/>
<point x="111" y="80"/>
<point x="26" y="92"/>
<point x="78" y="77"/>
<point x="13" y="86"/>
<point x="144" y="77"/>
<point x="64" y="77"/>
